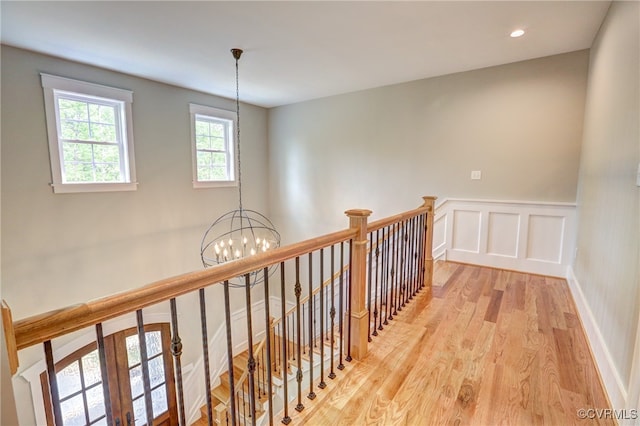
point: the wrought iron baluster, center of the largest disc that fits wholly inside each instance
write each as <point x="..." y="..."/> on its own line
<point x="298" y="291"/>
<point x="53" y="383"/>
<point x="369" y="280"/>
<point x="322" y="384"/>
<point x="251" y="362"/>
<point x="205" y="355"/>
<point x="176" y="351"/>
<point x="394" y="237"/>
<point x="423" y="239"/>
<point x="405" y="245"/>
<point x="332" y="312"/>
<point x="385" y="276"/>
<point x="144" y="361"/>
<point x="341" y="307"/>
<point x="285" y="419"/>
<point x="104" y="374"/>
<point x="376" y="302"/>
<point x="232" y="386"/>
<point x="267" y="320"/>
<point x="311" y="394"/>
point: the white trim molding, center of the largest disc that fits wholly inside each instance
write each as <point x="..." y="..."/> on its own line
<point x="533" y="237"/>
<point x="613" y="383"/>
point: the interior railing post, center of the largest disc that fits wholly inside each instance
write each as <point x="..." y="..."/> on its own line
<point x="429" y="202"/>
<point x="358" y="313"/>
<point x="285" y="358"/>
<point x="176" y="351"/>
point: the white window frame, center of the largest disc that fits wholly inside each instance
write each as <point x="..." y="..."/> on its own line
<point x="196" y="110"/>
<point x="122" y="99"/>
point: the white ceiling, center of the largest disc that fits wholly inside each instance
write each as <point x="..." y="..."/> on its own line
<point x="295" y="51"/>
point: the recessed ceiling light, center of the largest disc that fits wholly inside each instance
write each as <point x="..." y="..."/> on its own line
<point x="517" y="33"/>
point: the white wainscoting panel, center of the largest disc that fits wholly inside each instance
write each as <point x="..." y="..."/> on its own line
<point x="530" y="237"/>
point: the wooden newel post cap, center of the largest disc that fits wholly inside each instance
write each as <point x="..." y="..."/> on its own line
<point x="429" y="200"/>
<point x="358" y="213"/>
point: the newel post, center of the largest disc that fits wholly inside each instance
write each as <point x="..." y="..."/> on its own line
<point x="358" y="312"/>
<point x="429" y="203"/>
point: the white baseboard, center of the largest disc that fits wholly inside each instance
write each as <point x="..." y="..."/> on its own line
<point x="614" y="386"/>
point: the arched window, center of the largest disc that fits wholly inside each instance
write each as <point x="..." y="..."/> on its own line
<point x="79" y="375"/>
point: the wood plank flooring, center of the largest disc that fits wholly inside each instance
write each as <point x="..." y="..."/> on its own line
<point x="492" y="347"/>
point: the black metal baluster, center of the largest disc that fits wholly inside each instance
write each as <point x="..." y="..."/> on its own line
<point x="232" y="385"/>
<point x="311" y="394"/>
<point x="267" y="319"/>
<point x="348" y="357"/>
<point x="376" y="302"/>
<point x="176" y="351"/>
<point x="392" y="248"/>
<point x="103" y="372"/>
<point x="416" y="249"/>
<point x="53" y="383"/>
<point x="144" y="361"/>
<point x="341" y="306"/>
<point x="298" y="291"/>
<point x="369" y="280"/>
<point x="251" y="362"/>
<point x="385" y="277"/>
<point x="332" y="312"/>
<point x="286" y="419"/>
<point x="205" y="355"/>
<point x="403" y="263"/>
<point x="423" y="242"/>
<point x="322" y="384"/>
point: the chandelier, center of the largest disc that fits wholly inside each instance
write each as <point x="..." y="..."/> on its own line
<point x="241" y="232"/>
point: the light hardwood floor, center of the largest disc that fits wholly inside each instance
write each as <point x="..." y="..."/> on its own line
<point x="492" y="347"/>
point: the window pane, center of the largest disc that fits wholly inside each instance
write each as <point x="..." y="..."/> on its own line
<point x="203" y="142"/>
<point x="91" y="368"/>
<point x="154" y="343"/>
<point x="217" y="130"/>
<point x="108" y="172"/>
<point x="95" y="402"/>
<point x="78" y="152"/>
<point x="103" y="132"/>
<point x="135" y="378"/>
<point x="156" y="371"/>
<point x="159" y="401"/>
<point x="78" y="172"/>
<point x="204" y="173"/>
<point x="74" y="130"/>
<point x="204" y="158"/>
<point x="106" y="154"/>
<point x="102" y="114"/>
<point x="69" y="380"/>
<point x="139" y="412"/>
<point x="219" y="159"/>
<point x="219" y="173"/>
<point x="73" y="411"/>
<point x="133" y="350"/>
<point x="217" y="144"/>
<point x="72" y="110"/>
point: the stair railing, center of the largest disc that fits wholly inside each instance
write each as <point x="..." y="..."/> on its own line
<point x="364" y="274"/>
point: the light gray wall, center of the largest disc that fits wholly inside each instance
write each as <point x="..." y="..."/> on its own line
<point x="62" y="249"/>
<point x="382" y="149"/>
<point x="608" y="203"/>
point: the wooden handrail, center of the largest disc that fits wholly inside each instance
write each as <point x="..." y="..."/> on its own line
<point x="400" y="217"/>
<point x="40" y="328"/>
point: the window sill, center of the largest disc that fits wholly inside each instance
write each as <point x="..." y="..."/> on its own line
<point x="214" y="184"/>
<point x="66" y="188"/>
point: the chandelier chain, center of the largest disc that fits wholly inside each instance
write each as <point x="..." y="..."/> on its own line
<point x="238" y="137"/>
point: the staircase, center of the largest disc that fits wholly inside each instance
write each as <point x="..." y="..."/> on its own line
<point x="220" y="395"/>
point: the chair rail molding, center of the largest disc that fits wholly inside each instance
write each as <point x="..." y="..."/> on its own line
<point x="527" y="236"/>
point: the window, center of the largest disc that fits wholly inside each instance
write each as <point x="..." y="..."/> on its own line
<point x="212" y="140"/>
<point x="81" y="397"/>
<point x="90" y="136"/>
